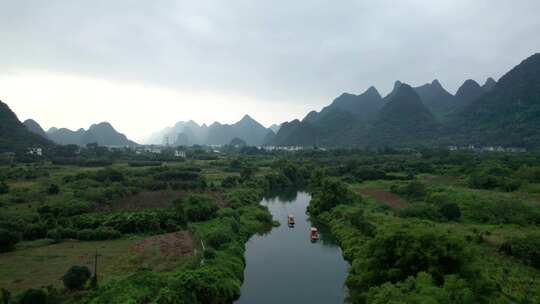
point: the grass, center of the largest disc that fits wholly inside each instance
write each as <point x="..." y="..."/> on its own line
<point x="38" y="264"/>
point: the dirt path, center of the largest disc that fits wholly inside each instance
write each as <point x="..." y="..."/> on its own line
<point x="170" y="245"/>
<point x="383" y="196"/>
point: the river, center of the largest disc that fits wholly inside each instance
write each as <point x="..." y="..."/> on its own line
<point x="284" y="266"/>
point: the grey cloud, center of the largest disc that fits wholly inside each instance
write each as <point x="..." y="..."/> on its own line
<point x="303" y="51"/>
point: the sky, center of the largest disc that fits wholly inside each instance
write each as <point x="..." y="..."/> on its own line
<point x="144" y="65"/>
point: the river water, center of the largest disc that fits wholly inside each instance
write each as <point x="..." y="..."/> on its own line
<point x="284" y="266"/>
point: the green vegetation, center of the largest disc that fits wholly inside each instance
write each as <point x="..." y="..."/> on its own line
<point x="424" y="226"/>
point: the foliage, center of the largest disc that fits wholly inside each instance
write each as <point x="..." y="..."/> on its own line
<point x="4" y="188"/>
<point x="33" y="296"/>
<point x="199" y="208"/>
<point x="76" y="277"/>
<point x="331" y="193"/>
<point x="526" y="248"/>
<point x="8" y="239"/>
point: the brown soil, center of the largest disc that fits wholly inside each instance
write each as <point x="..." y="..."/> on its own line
<point x="170" y="245"/>
<point x="383" y="196"/>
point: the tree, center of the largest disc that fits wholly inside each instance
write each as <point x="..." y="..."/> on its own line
<point x="53" y="189"/>
<point x="4" y="188"/>
<point x="33" y="296"/>
<point x="450" y="211"/>
<point x="76" y="277"/>
<point x="247" y="173"/>
<point x="399" y="253"/>
<point x="199" y="208"/>
<point x="331" y="193"/>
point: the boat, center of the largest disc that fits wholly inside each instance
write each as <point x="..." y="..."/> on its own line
<point x="314" y="234"/>
<point x="290" y="220"/>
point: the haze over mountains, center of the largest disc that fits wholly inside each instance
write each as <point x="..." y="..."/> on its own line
<point x="190" y="133"/>
<point x="14" y="135"/>
<point x="504" y="113"/>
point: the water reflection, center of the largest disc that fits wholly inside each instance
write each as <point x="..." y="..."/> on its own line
<point x="283" y="266"/>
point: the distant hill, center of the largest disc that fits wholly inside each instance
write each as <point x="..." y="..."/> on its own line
<point x="470" y="90"/>
<point x="103" y="133"/>
<point x="14" y="136"/>
<point x="189" y="133"/>
<point x="275" y="127"/>
<point x="508" y="114"/>
<point x="336" y="124"/>
<point x="35" y="128"/>
<point x="489" y="84"/>
<point x="403" y="119"/>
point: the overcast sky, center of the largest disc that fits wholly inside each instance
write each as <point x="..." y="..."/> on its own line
<point x="144" y="65"/>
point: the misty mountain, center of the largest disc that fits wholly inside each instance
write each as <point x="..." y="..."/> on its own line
<point x="363" y="106"/>
<point x="403" y="119"/>
<point x="436" y="98"/>
<point x="489" y="84"/>
<point x="275" y="127"/>
<point x="14" y="136"/>
<point x="247" y="129"/>
<point x="335" y="124"/>
<point x="190" y="133"/>
<point x="35" y="128"/>
<point x="467" y="92"/>
<point x="103" y="133"/>
<point x="507" y="115"/>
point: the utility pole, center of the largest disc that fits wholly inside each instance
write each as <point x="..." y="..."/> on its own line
<point x="94" y="282"/>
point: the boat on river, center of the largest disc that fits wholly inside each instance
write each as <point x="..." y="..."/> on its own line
<point x="290" y="220"/>
<point x="314" y="235"/>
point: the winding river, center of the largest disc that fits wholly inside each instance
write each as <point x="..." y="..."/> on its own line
<point x="284" y="266"/>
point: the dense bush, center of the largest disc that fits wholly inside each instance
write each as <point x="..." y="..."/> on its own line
<point x="8" y="239"/>
<point x="35" y="231"/>
<point x="33" y="296"/>
<point x="4" y="188"/>
<point x="53" y="189"/>
<point x="526" y="248"/>
<point x="67" y="209"/>
<point x="398" y="253"/>
<point x="422" y="289"/>
<point x="230" y="181"/>
<point x="414" y="190"/>
<point x="199" y="208"/>
<point x="76" y="277"/>
<point x="331" y="193"/>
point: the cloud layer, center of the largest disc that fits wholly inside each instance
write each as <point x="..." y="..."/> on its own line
<point x="296" y="53"/>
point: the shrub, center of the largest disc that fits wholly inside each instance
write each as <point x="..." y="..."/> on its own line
<point x="199" y="208"/>
<point x="4" y="188"/>
<point x="35" y="231"/>
<point x="421" y="210"/>
<point x="53" y="189"/>
<point x="8" y="239"/>
<point x="332" y="193"/>
<point x="398" y="253"/>
<point x="76" y="277"/>
<point x="230" y="181"/>
<point x="450" y="211"/>
<point x="526" y="248"/>
<point x="33" y="296"/>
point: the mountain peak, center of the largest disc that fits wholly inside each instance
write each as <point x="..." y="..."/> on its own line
<point x="436" y="83"/>
<point x="372" y="91"/>
<point x="489" y="84"/>
<point x="247" y="118"/>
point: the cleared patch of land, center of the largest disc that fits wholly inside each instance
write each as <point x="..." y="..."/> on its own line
<point x="169" y="245"/>
<point x="39" y="265"/>
<point x="383" y="196"/>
